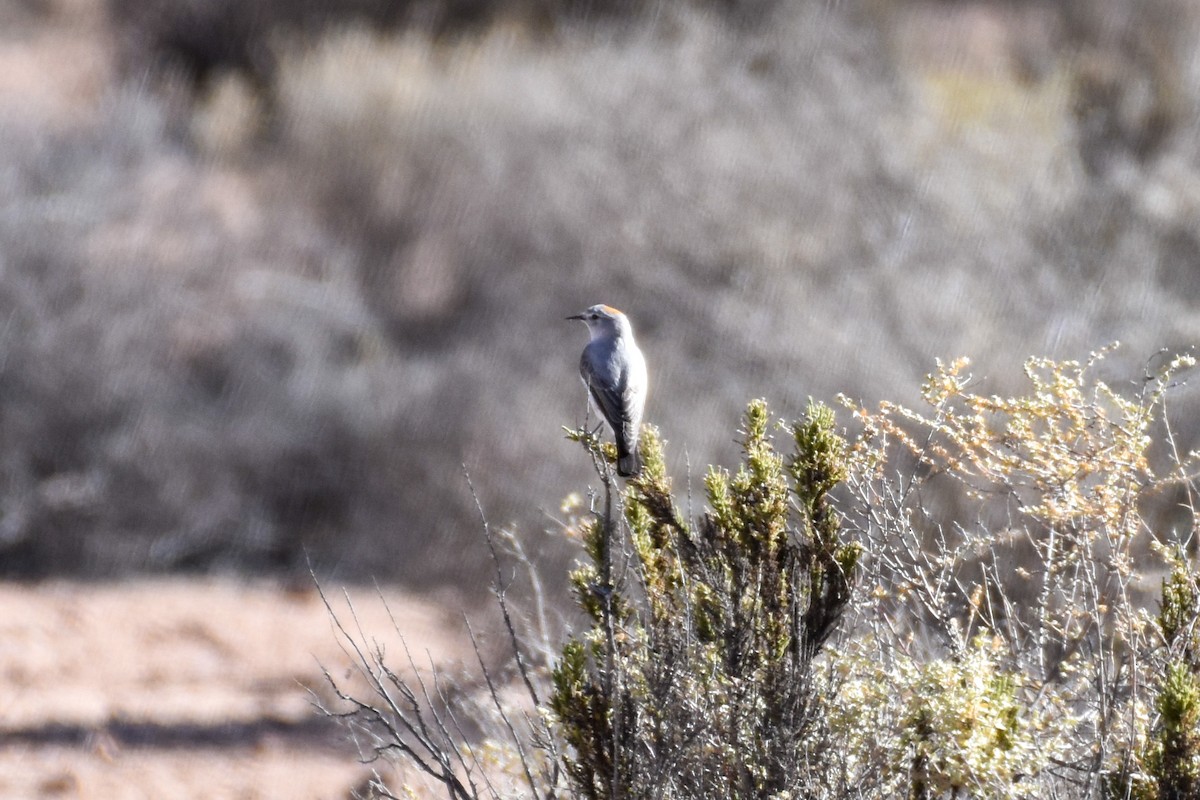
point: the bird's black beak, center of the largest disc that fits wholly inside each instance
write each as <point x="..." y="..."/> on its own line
<point x="575" y="316"/>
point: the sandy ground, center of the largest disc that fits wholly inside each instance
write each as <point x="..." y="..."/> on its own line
<point x="178" y="688"/>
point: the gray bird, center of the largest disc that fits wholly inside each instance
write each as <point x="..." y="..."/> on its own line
<point x="614" y="372"/>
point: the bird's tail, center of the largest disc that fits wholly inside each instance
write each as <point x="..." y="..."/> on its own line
<point x="629" y="462"/>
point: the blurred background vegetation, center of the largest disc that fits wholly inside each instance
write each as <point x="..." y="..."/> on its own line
<point x="272" y="271"/>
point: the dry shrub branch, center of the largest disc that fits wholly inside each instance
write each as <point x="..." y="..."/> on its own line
<point x="1044" y="574"/>
<point x="823" y="630"/>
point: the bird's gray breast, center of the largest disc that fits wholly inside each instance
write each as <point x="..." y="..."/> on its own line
<point x="602" y="365"/>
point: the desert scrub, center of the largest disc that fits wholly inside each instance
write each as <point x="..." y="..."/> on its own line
<point x="934" y="728"/>
<point x="695" y="677"/>
<point x="1169" y="766"/>
<point x="784" y="645"/>
<point x="1048" y="551"/>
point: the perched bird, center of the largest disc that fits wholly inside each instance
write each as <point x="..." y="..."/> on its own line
<point x="614" y="372"/>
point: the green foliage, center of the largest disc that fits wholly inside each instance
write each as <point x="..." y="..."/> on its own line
<point x="1172" y="761"/>
<point x="1009" y="658"/>
<point x="962" y="728"/>
<point x="711" y="686"/>
<point x="1176" y="761"/>
<point x="588" y="732"/>
<point x="1018" y="696"/>
<point x="1048" y="551"/>
<point x="934" y="728"/>
<point x="1177" y="616"/>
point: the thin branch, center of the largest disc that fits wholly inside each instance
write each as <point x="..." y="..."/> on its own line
<point x="499" y="592"/>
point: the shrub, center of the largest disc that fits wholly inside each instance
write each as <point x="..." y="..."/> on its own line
<point x="202" y="40"/>
<point x="1050" y="559"/>
<point x="364" y="272"/>
<point x="781" y="645"/>
<point x="1169" y="768"/>
<point x="930" y="728"/>
<point x="695" y="677"/>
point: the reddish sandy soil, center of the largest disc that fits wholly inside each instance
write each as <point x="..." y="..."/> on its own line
<point x="185" y="688"/>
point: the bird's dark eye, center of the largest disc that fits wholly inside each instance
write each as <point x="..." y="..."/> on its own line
<point x="595" y="316"/>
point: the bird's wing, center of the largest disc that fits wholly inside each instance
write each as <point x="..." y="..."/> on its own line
<point x="609" y="399"/>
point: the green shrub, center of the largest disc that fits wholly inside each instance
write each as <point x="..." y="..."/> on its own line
<point x="1170" y="765"/>
<point x="710" y="690"/>
<point x="1047" y="552"/>
<point x="781" y="645"/>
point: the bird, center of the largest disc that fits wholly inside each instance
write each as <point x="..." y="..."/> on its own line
<point x="614" y="371"/>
